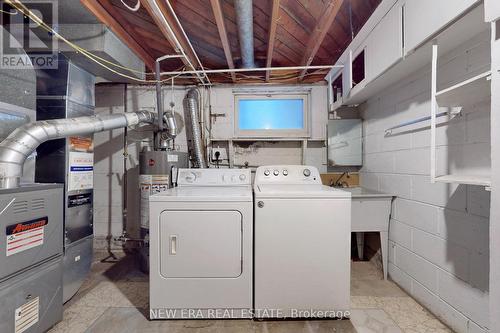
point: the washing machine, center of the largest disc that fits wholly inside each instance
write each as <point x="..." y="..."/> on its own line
<point x="201" y="246"/>
<point x="302" y="245"/>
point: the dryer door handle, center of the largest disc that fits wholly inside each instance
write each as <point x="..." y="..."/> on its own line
<point x="173" y="244"/>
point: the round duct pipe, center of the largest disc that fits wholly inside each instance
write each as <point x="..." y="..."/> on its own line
<point x="23" y="141"/>
<point x="244" y="19"/>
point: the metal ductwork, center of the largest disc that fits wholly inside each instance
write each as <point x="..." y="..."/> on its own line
<point x="171" y="123"/>
<point x="244" y="19"/>
<point x="191" y="103"/>
<point x="23" y="141"/>
<point x="100" y="41"/>
<point x="164" y="117"/>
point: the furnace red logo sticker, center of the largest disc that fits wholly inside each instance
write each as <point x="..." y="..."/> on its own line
<point x="25" y="235"/>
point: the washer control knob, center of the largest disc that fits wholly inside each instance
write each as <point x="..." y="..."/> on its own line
<point x="190" y="177"/>
<point x="307" y="172"/>
<point x="267" y="173"/>
<point x="243" y="177"/>
<point x="285" y="172"/>
<point x="276" y="172"/>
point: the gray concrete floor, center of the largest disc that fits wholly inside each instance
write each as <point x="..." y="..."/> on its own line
<point x="114" y="298"/>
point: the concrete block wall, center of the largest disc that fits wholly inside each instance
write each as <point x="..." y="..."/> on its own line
<point x="108" y="166"/>
<point x="439" y="241"/>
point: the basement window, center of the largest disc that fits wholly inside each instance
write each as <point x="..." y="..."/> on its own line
<point x="358" y="68"/>
<point x="271" y="116"/>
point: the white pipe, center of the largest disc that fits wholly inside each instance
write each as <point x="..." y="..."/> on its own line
<point x="133" y="9"/>
<point x="261" y="69"/>
<point x="187" y="38"/>
<point x="169" y="56"/>
<point x="158" y="13"/>
<point x="433" y="110"/>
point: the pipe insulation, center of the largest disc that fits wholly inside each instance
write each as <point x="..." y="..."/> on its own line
<point x="192" y="103"/>
<point x="23" y="141"/>
<point x="244" y="20"/>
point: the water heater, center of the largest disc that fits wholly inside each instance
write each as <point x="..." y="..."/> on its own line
<point x="158" y="172"/>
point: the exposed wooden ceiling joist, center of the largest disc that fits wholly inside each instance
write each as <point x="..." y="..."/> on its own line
<point x="286" y="33"/>
<point x="176" y="30"/>
<point x="114" y="20"/>
<point x="272" y="35"/>
<point x="221" y="26"/>
<point x="319" y="34"/>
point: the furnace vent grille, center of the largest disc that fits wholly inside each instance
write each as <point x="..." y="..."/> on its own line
<point x="37" y="204"/>
<point x="20" y="207"/>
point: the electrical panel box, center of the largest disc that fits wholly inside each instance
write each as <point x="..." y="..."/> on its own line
<point x="345" y="142"/>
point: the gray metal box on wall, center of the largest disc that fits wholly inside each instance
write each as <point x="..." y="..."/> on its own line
<point x="345" y="142"/>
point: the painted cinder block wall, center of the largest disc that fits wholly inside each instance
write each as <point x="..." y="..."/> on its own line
<point x="439" y="245"/>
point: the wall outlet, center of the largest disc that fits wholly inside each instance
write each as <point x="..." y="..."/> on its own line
<point x="222" y="153"/>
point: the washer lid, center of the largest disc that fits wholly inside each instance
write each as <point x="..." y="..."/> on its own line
<point x="299" y="191"/>
<point x="204" y="193"/>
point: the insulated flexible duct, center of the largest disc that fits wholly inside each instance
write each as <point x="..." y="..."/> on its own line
<point x="23" y="141"/>
<point x="192" y="110"/>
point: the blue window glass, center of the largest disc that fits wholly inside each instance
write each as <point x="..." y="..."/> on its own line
<point x="271" y="114"/>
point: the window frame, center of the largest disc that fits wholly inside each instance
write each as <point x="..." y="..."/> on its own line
<point x="354" y="59"/>
<point x="304" y="132"/>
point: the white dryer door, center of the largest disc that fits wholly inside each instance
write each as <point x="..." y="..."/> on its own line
<point x="200" y="244"/>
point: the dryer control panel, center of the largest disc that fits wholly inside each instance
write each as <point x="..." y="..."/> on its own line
<point x="287" y="174"/>
<point x="214" y="177"/>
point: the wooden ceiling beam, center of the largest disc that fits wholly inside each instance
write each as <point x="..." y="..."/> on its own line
<point x="221" y="26"/>
<point x="176" y="30"/>
<point x="272" y="36"/>
<point x="111" y="19"/>
<point x="319" y="33"/>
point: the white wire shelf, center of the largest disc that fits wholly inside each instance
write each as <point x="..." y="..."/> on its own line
<point x="480" y="180"/>
<point x="462" y="93"/>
